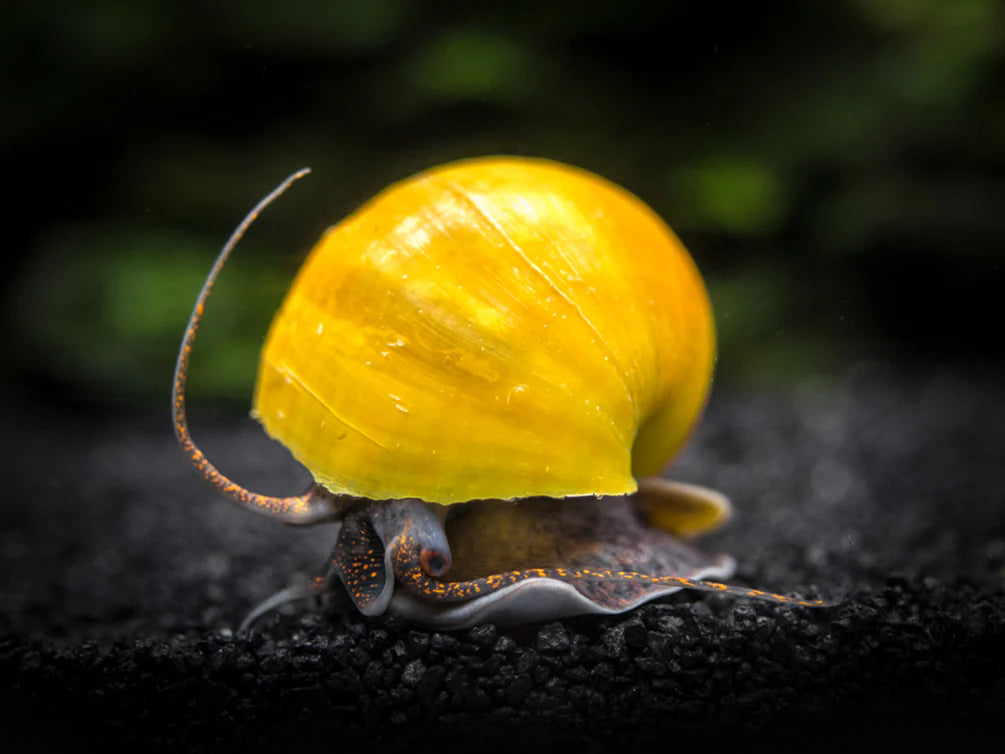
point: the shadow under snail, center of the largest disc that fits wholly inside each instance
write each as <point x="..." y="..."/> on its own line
<point x="476" y="367"/>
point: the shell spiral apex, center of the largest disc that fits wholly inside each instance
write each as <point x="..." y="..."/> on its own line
<point x="494" y="328"/>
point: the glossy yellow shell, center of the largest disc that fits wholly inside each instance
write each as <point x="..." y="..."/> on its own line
<point x="494" y="328"/>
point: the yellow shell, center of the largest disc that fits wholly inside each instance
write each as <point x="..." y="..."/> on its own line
<point x="493" y="328"/>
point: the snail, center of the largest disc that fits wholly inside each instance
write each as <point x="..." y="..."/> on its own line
<point x="476" y="367"/>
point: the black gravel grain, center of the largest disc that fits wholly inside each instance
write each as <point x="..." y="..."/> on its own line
<point x="122" y="579"/>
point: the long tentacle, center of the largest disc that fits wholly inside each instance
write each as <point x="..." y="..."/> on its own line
<point x="316" y="587"/>
<point x="408" y="569"/>
<point x="314" y="506"/>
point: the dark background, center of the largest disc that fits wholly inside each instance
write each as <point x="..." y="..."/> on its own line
<point x="836" y="170"/>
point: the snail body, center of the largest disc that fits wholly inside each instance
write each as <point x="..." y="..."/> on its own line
<point x="482" y="361"/>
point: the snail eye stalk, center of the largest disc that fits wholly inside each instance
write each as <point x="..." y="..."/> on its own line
<point x="436" y="564"/>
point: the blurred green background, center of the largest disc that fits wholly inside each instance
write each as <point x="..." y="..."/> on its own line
<point x="835" y="168"/>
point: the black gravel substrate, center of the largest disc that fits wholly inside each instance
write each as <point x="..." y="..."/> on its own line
<point x="122" y="577"/>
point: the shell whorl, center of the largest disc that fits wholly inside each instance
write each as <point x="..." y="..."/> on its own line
<point x="496" y="328"/>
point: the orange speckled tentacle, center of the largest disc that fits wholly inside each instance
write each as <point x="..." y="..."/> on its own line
<point x="409" y="572"/>
<point x="308" y="508"/>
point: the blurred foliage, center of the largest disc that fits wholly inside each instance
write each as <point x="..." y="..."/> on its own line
<point x="835" y="168"/>
<point x="113" y="310"/>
